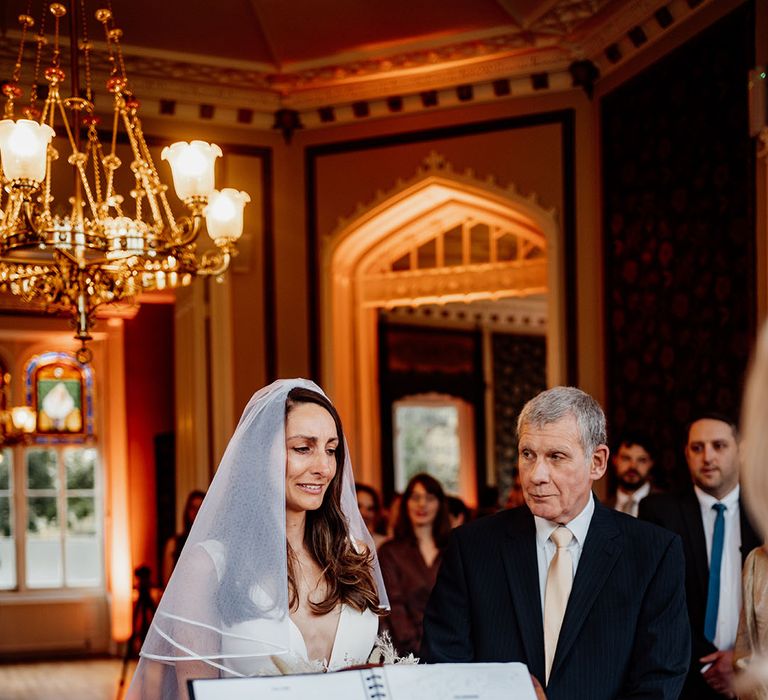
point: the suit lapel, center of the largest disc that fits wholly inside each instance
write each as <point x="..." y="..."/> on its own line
<point x="690" y="510"/>
<point x="520" y="564"/>
<point x="601" y="549"/>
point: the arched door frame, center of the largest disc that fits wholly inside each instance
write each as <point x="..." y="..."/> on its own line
<point x="435" y="197"/>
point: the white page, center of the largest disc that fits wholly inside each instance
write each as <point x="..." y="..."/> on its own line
<point x="399" y="682"/>
<point x="312" y="686"/>
<point x="460" y="682"/>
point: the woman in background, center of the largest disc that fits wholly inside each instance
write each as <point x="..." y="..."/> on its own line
<point x="369" y="504"/>
<point x="175" y="544"/>
<point x="751" y="650"/>
<point x="411" y="559"/>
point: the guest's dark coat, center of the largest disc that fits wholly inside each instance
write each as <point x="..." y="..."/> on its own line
<point x="681" y="513"/>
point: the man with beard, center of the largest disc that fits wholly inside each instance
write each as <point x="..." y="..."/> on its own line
<point x="632" y="464"/>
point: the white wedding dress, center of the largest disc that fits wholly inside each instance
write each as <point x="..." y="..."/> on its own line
<point x="354" y="640"/>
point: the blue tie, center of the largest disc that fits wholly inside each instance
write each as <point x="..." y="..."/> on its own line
<point x="715" y="560"/>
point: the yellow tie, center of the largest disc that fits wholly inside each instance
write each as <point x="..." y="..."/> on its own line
<point x="559" y="581"/>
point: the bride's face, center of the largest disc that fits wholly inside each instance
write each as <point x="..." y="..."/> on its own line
<point x="310" y="444"/>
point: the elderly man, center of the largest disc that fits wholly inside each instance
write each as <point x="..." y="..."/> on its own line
<point x="717" y="537"/>
<point x="592" y="600"/>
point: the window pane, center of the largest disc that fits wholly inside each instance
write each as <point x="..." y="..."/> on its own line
<point x="41" y="469"/>
<point x="83" y="561"/>
<point x="7" y="563"/>
<point x="7" y="549"/>
<point x="43" y="517"/>
<point x="81" y="515"/>
<point x="427" y="440"/>
<point x="5" y="516"/>
<point x="81" y="468"/>
<point x="44" y="569"/>
<point x="5" y="469"/>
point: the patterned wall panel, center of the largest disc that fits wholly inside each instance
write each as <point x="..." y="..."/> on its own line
<point x="519" y="373"/>
<point x="678" y="174"/>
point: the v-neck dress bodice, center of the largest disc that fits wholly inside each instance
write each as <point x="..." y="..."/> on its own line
<point x="243" y="643"/>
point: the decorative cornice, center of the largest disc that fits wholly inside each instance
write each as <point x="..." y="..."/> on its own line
<point x="570" y="31"/>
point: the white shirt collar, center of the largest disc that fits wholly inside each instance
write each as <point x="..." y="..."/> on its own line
<point x="578" y="526"/>
<point x="706" y="501"/>
<point x="623" y="496"/>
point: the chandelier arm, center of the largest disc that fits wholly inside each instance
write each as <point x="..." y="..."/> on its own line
<point x="29" y="217"/>
<point x="187" y="230"/>
<point x="214" y="262"/>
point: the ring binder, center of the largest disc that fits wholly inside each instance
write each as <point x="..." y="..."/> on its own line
<point x="376" y="688"/>
<point x="482" y="681"/>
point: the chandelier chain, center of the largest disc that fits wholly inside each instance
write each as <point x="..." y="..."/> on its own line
<point x="32" y="109"/>
<point x="86" y="48"/>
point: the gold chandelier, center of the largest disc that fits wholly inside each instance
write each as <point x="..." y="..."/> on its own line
<point x="104" y="247"/>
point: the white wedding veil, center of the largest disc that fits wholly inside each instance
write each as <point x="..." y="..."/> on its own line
<point x="227" y="600"/>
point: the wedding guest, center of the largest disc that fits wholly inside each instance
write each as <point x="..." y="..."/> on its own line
<point x="458" y="512"/>
<point x="369" y="504"/>
<point x="632" y="464"/>
<point x="717" y="536"/>
<point x="411" y="559"/>
<point x="175" y="544"/>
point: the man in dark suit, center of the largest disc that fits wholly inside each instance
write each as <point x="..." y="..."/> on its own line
<point x="712" y="522"/>
<point x="590" y="599"/>
<point x="632" y="464"/>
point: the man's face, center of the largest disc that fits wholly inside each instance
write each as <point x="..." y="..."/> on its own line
<point x="555" y="473"/>
<point x="713" y="457"/>
<point x="632" y="464"/>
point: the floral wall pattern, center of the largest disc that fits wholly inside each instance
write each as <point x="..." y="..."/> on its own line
<point x="678" y="174"/>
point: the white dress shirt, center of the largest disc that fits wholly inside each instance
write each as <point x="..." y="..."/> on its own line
<point x="730" y="569"/>
<point x="624" y="497"/>
<point x="545" y="548"/>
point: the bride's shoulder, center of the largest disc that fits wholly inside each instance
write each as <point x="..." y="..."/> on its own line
<point x="207" y="554"/>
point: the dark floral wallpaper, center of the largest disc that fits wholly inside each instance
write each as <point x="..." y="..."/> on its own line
<point x="678" y="182"/>
<point x="519" y="373"/>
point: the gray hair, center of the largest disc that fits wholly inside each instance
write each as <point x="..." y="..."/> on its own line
<point x="562" y="401"/>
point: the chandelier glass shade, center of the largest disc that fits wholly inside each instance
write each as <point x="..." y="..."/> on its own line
<point x="92" y="244"/>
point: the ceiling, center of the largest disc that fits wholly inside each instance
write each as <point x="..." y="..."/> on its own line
<point x="306" y="54"/>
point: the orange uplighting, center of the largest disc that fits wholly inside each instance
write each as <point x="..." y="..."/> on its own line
<point x="121" y="577"/>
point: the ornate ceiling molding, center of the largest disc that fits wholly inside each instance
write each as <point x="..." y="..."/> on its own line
<point x="533" y="56"/>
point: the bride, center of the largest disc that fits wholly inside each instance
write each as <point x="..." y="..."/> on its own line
<point x="279" y="573"/>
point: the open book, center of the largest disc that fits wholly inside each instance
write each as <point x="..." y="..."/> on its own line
<point x="397" y="682"/>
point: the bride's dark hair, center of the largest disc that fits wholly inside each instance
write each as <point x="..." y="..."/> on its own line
<point x="347" y="571"/>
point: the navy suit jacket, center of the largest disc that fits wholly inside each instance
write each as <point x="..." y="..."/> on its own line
<point x="625" y="631"/>
<point x="681" y="513"/>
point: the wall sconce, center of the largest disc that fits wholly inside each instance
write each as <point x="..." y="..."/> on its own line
<point x="17" y="424"/>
